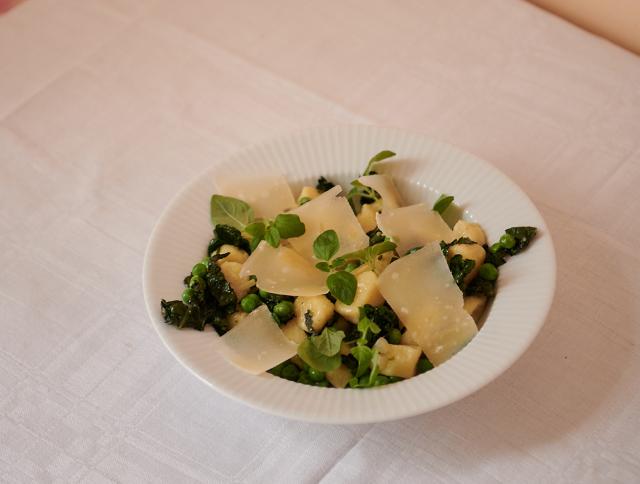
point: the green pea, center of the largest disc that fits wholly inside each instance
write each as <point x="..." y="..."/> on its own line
<point x="321" y="384"/>
<point x="197" y="283"/>
<point x="187" y="295"/>
<point x="488" y="272"/>
<point x="316" y="375"/>
<point x="250" y="302"/>
<point x="304" y="379"/>
<point x="495" y="247"/>
<point x="424" y="365"/>
<point x="284" y="310"/>
<point x="199" y="269"/>
<point x="290" y="372"/>
<point x="263" y="294"/>
<point x="394" y="336"/>
<point x="508" y="241"/>
<point x="205" y="262"/>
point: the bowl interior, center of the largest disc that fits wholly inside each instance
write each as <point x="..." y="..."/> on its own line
<point x="423" y="170"/>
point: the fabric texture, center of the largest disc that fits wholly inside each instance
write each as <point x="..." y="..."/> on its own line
<point x="108" y="107"/>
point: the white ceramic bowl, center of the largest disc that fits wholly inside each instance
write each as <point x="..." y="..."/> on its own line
<point x="423" y="169"/>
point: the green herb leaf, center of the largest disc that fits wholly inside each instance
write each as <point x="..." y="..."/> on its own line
<point x="272" y="236"/>
<point x="328" y="342"/>
<point x="383" y="317"/>
<point x="365" y="326"/>
<point x="289" y="225"/>
<point x="367" y="255"/>
<point x="326" y="245"/>
<point x="364" y="355"/>
<point x="442" y="203"/>
<point x="323" y="266"/>
<point x="256" y="229"/>
<point x="383" y="155"/>
<point x="322" y="352"/>
<point x="342" y="285"/>
<point x="230" y="211"/>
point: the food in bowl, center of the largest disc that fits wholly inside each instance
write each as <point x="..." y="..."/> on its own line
<point x="353" y="291"/>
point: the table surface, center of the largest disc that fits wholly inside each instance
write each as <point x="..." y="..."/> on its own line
<point x="108" y="107"/>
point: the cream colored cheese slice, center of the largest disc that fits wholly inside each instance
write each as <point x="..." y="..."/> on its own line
<point x="267" y="195"/>
<point x="421" y="290"/>
<point x="328" y="211"/>
<point x="256" y="344"/>
<point x="284" y="271"/>
<point x="413" y="226"/>
<point x="383" y="184"/>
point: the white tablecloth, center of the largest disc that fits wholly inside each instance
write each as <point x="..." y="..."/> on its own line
<point x="108" y="107"/>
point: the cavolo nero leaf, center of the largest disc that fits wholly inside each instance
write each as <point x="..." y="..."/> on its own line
<point x="326" y="245"/>
<point x="230" y="211"/>
<point x="324" y="185"/>
<point x="227" y="235"/>
<point x="460" y="268"/>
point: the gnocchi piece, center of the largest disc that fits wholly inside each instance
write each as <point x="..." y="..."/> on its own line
<point x="239" y="284"/>
<point x="292" y="331"/>
<point x="235" y="254"/>
<point x="308" y="193"/>
<point x="366" y="293"/>
<point x="473" y="252"/>
<point x="471" y="230"/>
<point x="313" y="312"/>
<point x="339" y="377"/>
<point x="397" y="360"/>
<point x="367" y="216"/>
<point x="475" y="305"/>
<point x="408" y="339"/>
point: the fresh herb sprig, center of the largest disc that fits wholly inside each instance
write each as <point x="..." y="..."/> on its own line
<point x="341" y="283"/>
<point x="239" y="215"/>
<point x="322" y="352"/>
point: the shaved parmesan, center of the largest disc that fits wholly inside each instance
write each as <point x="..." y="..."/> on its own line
<point x="413" y="226"/>
<point x="268" y="195"/>
<point x="256" y="344"/>
<point x="284" y="271"/>
<point x="383" y="184"/>
<point x="421" y="290"/>
<point x="325" y="212"/>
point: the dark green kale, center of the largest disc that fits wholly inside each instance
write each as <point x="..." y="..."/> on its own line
<point x="226" y="234"/>
<point x="460" y="268"/>
<point x="179" y="314"/>
<point x="523" y="236"/>
<point x="208" y="299"/>
<point x="481" y="287"/>
<point x="323" y="185"/>
<point x="383" y="316"/>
